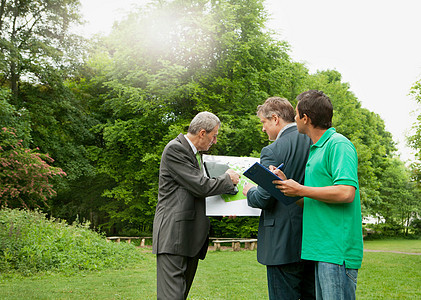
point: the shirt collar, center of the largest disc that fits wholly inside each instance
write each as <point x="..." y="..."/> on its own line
<point x="285" y="128"/>
<point x="325" y="137"/>
<point x="193" y="147"/>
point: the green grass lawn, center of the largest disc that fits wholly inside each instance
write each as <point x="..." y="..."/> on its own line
<point x="409" y="246"/>
<point x="222" y="275"/>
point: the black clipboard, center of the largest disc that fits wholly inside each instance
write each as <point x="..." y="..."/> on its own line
<point x="264" y="177"/>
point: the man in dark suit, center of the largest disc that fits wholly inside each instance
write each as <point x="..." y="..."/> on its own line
<point x="180" y="229"/>
<point x="280" y="226"/>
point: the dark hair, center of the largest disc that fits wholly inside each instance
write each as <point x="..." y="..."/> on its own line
<point x="317" y="106"/>
<point x="277" y="106"/>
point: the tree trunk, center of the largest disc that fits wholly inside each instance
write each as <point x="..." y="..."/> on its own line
<point x="14" y="79"/>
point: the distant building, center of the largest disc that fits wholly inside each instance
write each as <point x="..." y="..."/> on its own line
<point x="373" y="220"/>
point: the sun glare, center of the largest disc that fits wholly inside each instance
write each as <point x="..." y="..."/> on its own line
<point x="161" y="30"/>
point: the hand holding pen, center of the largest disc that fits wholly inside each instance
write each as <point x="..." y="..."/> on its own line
<point x="278" y="171"/>
<point x="287" y="186"/>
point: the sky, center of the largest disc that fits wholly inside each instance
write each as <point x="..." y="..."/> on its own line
<point x="374" y="44"/>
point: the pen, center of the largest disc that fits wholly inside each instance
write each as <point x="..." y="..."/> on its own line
<point x="280" y="166"/>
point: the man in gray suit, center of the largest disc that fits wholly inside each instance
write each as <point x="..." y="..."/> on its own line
<point x="180" y="229"/>
<point x="280" y="226"/>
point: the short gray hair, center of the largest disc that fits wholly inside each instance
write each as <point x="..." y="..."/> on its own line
<point x="203" y="120"/>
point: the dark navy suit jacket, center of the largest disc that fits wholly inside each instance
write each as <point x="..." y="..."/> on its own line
<point x="280" y="226"/>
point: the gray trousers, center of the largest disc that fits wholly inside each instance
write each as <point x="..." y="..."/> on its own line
<point x="175" y="276"/>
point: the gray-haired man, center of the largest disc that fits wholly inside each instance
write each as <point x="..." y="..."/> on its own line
<point x="180" y="231"/>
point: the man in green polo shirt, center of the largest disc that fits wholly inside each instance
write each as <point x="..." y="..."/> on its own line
<point x="332" y="233"/>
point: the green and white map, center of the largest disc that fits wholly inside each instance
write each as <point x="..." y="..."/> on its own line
<point x="230" y="205"/>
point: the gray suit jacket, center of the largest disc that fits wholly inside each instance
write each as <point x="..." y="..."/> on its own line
<point x="280" y="226"/>
<point x="180" y="225"/>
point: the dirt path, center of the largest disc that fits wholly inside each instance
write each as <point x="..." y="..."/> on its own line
<point x="367" y="250"/>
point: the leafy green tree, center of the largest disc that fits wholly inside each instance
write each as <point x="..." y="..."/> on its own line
<point x="35" y="41"/>
<point x="414" y="141"/>
<point x="14" y="118"/>
<point x="61" y="127"/>
<point x="145" y="81"/>
<point x="38" y="53"/>
<point x="165" y="63"/>
<point x="396" y="205"/>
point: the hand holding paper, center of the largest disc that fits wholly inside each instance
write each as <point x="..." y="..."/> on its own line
<point x="235" y="177"/>
<point x="246" y="188"/>
<point x="288" y="187"/>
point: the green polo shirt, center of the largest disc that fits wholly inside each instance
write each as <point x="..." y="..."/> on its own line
<point x="332" y="232"/>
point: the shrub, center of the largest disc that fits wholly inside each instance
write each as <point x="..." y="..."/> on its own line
<point x="387" y="230"/>
<point x="245" y="227"/>
<point x="24" y="173"/>
<point x="29" y="242"/>
<point x="416" y="226"/>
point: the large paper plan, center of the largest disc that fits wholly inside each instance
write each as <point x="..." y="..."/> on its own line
<point x="230" y="205"/>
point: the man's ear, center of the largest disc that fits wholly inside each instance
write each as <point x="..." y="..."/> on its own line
<point x="306" y="119"/>
<point x="275" y="118"/>
<point x="201" y="133"/>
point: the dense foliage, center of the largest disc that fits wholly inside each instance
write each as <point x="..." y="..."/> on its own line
<point x="415" y="140"/>
<point x="35" y="41"/>
<point x="107" y="124"/>
<point x="29" y="242"/>
<point x="24" y="173"/>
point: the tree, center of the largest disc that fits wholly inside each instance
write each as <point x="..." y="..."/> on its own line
<point x="60" y="126"/>
<point x="166" y="62"/>
<point x="161" y="66"/>
<point x="414" y="141"/>
<point x="35" y="42"/>
<point x="11" y="117"/>
<point x="395" y="204"/>
<point x="38" y="54"/>
<point x="24" y="173"/>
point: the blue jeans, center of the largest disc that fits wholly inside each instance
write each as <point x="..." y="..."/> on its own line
<point x="291" y="281"/>
<point x="335" y="282"/>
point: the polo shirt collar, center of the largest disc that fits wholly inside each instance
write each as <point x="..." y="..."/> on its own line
<point x="325" y="137"/>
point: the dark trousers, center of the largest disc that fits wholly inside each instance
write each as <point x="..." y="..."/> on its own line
<point x="175" y="276"/>
<point x="291" y="281"/>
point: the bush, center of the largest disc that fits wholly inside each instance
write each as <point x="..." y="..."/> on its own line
<point x="29" y="242"/>
<point x="416" y="226"/>
<point x="385" y="230"/>
<point x="242" y="227"/>
<point x="24" y="173"/>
